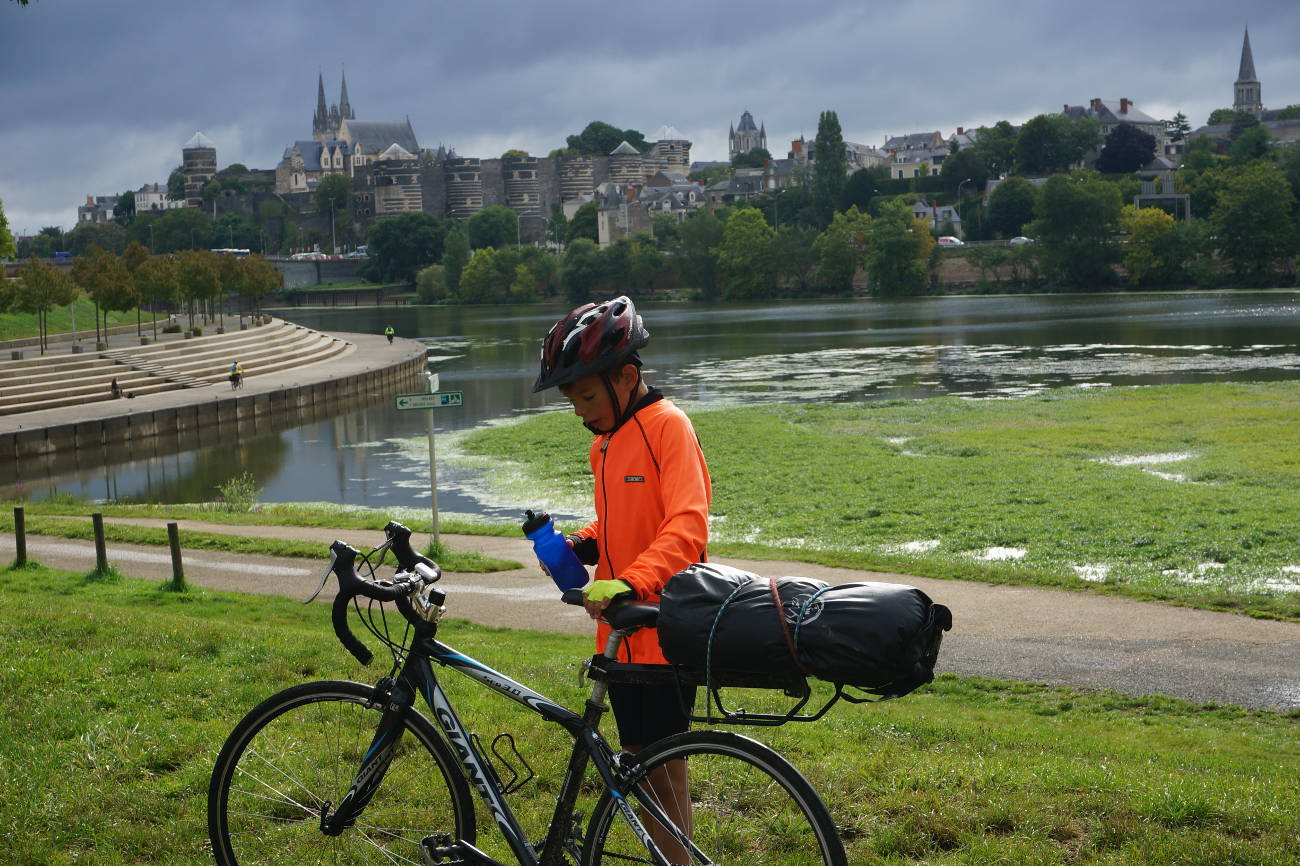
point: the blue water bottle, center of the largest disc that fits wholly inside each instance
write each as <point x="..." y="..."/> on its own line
<point x="554" y="552"/>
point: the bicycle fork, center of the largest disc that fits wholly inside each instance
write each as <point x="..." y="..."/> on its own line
<point x="398" y="700"/>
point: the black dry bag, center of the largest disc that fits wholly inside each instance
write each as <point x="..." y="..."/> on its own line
<point x="880" y="637"/>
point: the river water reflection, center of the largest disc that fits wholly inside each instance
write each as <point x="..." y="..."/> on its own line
<point x="838" y="351"/>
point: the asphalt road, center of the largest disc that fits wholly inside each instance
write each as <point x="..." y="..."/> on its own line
<point x="1022" y="633"/>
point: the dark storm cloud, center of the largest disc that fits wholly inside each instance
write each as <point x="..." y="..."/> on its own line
<point x="98" y="96"/>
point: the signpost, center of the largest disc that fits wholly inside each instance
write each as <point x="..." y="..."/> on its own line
<point x="435" y="399"/>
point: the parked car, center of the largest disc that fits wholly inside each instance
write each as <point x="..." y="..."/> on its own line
<point x="1019" y="240"/>
<point x="950" y="241"/>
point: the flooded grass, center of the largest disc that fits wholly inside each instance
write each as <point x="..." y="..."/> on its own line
<point x="1066" y="476"/>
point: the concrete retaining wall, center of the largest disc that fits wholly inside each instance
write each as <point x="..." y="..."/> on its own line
<point x="233" y="416"/>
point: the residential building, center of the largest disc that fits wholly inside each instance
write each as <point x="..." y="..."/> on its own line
<point x="621" y="215"/>
<point x="97" y="209"/>
<point x="1111" y="113"/>
<point x="936" y="215"/>
<point x="153" y="197"/>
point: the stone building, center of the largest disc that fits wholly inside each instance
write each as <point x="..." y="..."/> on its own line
<point x="198" y="165"/>
<point x="1246" y="90"/>
<point x="1247" y="95"/>
<point x="747" y="136"/>
<point x="97" y="209"/>
<point x="670" y="152"/>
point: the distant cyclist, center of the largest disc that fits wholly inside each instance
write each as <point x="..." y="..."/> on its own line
<point x="389" y="332"/>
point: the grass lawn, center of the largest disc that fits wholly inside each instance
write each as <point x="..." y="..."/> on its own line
<point x="119" y="695"/>
<point x="1182" y="493"/>
<point x="14" y="326"/>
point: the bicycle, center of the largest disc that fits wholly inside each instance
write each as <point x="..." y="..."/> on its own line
<point x="342" y="772"/>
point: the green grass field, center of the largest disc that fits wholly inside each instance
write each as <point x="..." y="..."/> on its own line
<point x="1182" y="493"/>
<point x="119" y="695"/>
<point x="14" y="326"/>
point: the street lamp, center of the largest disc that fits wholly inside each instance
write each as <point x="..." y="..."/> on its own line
<point x="334" y="244"/>
<point x="960" y="185"/>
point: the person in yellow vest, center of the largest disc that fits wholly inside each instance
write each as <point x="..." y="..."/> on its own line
<point x="236" y="376"/>
<point x="389" y="332"/>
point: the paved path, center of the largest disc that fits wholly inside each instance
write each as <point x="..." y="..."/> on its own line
<point x="1024" y="633"/>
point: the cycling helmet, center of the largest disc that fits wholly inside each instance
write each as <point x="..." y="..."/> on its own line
<point x="591" y="339"/>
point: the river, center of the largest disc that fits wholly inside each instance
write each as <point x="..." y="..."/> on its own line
<point x="838" y="351"/>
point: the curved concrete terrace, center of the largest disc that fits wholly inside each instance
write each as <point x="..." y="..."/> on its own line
<point x="317" y="381"/>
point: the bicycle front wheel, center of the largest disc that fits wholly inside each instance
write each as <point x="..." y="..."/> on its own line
<point x="298" y="752"/>
<point x="747" y="804"/>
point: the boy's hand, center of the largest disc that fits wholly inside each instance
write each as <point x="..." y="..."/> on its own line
<point x="600" y="594"/>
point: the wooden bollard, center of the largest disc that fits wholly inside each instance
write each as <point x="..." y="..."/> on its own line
<point x="101" y="554"/>
<point x="174" y="541"/>
<point x="20" y="537"/>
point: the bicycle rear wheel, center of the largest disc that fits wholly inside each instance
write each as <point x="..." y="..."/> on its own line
<point x="748" y="805"/>
<point x="299" y="750"/>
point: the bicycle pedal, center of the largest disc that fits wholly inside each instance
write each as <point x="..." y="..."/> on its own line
<point x="441" y="849"/>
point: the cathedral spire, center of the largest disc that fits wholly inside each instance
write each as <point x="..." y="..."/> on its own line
<point x="322" y="111"/>
<point x="1247" y="93"/>
<point x="1247" y="70"/>
<point x="345" y="108"/>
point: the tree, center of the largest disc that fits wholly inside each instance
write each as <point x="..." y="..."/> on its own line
<point x="133" y="258"/>
<point x="455" y="255"/>
<point x="103" y="277"/>
<point x="199" y="278"/>
<point x="1251" y="144"/>
<point x="709" y="175"/>
<point x="185" y="228"/>
<point x="581" y="270"/>
<point x="495" y="226"/>
<point x="1011" y="205"/>
<point x="898" y="250"/>
<point x="157" y="281"/>
<point x="7" y="248"/>
<point x="398" y="247"/>
<point x="1077" y="217"/>
<point x="107" y="236"/>
<point x="585" y="223"/>
<point x="962" y="166"/>
<point x="124" y="208"/>
<point x="1220" y="117"/>
<point x="478" y="282"/>
<point x="1291" y="112"/>
<point x="745" y="256"/>
<point x="1241" y="121"/>
<point x="1253" y="224"/>
<point x="176" y="184"/>
<point x="842" y="249"/>
<point x="41" y="288"/>
<point x="557" y="227"/>
<point x="996" y="147"/>
<point x="431" y="283"/>
<point x="756" y="158"/>
<point x="260" y="278"/>
<point x="861" y="188"/>
<point x="698" y="236"/>
<point x="1039" y="145"/>
<point x="1145" y="231"/>
<point x="794" y="256"/>
<point x="211" y="190"/>
<point x="1127" y="149"/>
<point x="334" y="197"/>
<point x="1178" y="128"/>
<point x="599" y="138"/>
<point x="830" y="167"/>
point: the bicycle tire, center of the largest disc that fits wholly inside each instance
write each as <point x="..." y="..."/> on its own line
<point x="749" y="805"/>
<point x="302" y="747"/>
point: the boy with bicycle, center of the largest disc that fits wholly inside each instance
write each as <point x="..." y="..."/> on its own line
<point x="652" y="494"/>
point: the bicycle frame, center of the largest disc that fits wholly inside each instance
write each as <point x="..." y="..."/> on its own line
<point x="417" y="677"/>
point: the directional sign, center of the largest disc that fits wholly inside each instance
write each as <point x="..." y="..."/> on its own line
<point x="435" y="400"/>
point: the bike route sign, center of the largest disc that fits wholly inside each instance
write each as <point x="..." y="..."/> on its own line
<point x="434" y="400"/>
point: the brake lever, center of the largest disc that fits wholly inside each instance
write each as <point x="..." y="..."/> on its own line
<point x="324" y="577"/>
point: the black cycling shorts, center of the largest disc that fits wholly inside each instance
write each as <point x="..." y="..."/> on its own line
<point x="646" y="713"/>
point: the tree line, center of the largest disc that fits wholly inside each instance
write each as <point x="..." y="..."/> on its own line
<point x="198" y="279"/>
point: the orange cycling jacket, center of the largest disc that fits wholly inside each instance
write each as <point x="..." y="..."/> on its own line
<point x="652" y="508"/>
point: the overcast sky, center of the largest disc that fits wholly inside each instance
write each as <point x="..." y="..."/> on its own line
<point x="97" y="96"/>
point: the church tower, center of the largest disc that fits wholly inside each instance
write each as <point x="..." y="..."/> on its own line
<point x="1246" y="90"/>
<point x="320" y="120"/>
<point x="345" y="107"/>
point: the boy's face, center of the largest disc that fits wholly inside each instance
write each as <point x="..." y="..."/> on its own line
<point x="590" y="397"/>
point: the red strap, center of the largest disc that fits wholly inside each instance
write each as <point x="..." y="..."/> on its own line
<point x="785" y="627"/>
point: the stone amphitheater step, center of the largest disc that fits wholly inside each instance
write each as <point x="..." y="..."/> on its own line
<point x="197" y="362"/>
